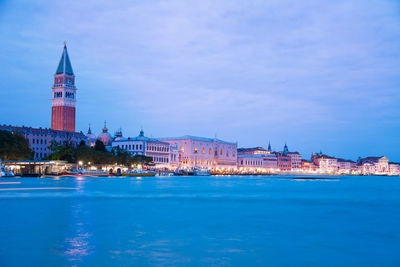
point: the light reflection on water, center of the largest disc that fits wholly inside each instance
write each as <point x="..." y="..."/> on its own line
<point x="183" y="221"/>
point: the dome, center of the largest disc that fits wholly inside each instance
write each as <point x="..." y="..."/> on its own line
<point x="91" y="137"/>
<point x="105" y="137"/>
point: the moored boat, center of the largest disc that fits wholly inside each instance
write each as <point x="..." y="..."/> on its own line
<point x="4" y="172"/>
<point x="138" y="173"/>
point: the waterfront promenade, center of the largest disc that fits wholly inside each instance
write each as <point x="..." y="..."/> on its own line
<point x="200" y="221"/>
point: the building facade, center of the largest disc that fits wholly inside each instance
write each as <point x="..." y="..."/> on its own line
<point x="210" y="153"/>
<point x="158" y="150"/>
<point x="325" y="163"/>
<point x="64" y="96"/>
<point x="381" y="164"/>
<point x="40" y="139"/>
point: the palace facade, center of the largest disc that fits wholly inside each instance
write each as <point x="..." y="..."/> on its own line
<point x="209" y="153"/>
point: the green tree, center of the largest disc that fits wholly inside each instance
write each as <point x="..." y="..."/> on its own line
<point x="61" y="152"/>
<point x="14" y="146"/>
<point x="99" y="146"/>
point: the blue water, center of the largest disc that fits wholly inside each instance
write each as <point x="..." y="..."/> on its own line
<point x="201" y="221"/>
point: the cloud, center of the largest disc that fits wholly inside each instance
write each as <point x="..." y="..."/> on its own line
<point x="222" y="64"/>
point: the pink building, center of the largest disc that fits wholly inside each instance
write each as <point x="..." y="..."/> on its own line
<point x="210" y="153"/>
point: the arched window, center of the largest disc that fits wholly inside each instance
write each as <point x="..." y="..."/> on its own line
<point x="182" y="149"/>
<point x="202" y="151"/>
<point x="195" y="149"/>
<point x="220" y="152"/>
<point x="210" y="151"/>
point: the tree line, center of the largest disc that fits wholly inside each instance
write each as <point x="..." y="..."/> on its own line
<point x="14" y="146"/>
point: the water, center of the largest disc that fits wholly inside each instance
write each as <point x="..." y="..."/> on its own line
<point x="200" y="221"/>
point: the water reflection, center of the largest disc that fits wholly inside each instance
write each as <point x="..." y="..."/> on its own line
<point x="79" y="242"/>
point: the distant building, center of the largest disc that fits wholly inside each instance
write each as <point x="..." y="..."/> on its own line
<point x="284" y="161"/>
<point x="394" y="168"/>
<point x="346" y="166"/>
<point x="381" y="164"/>
<point x="210" y="153"/>
<point x="295" y="158"/>
<point x="256" y="159"/>
<point x="324" y="162"/>
<point x="158" y="150"/>
<point x="40" y="139"/>
<point x="308" y="165"/>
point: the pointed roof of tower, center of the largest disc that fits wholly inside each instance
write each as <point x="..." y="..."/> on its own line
<point x="65" y="67"/>
<point x="269" y="146"/>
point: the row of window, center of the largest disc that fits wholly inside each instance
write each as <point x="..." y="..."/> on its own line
<point x="67" y="95"/>
<point x="39" y="141"/>
<point x="251" y="162"/>
<point x="209" y="151"/>
<point x="130" y="147"/>
<point x="40" y="155"/>
<point x="160" y="159"/>
<point x="157" y="148"/>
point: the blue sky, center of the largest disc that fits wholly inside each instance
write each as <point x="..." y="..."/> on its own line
<point x="319" y="75"/>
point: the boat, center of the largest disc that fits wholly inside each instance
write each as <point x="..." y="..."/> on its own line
<point x="185" y="172"/>
<point x="135" y="173"/>
<point x="201" y="172"/>
<point x="4" y="172"/>
<point x="81" y="172"/>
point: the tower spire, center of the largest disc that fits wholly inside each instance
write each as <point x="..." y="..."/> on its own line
<point x="65" y="67"/>
<point x="269" y="146"/>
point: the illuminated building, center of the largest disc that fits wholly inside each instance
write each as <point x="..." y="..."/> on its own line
<point x="158" y="150"/>
<point x="325" y="163"/>
<point x="210" y="153"/>
<point x="381" y="164"/>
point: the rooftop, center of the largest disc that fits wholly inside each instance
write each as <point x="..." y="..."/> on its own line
<point x="197" y="138"/>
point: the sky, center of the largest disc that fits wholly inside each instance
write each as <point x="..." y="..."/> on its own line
<point x="318" y="75"/>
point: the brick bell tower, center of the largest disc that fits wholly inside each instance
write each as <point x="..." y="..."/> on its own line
<point x="64" y="96"/>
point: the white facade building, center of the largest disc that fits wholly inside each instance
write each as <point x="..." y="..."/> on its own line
<point x="257" y="162"/>
<point x="158" y="150"/>
<point x="381" y="164"/>
<point x="210" y="153"/>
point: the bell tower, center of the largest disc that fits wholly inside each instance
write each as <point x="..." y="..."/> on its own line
<point x="64" y="96"/>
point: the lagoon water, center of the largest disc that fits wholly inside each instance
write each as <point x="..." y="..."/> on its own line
<point x="200" y="221"/>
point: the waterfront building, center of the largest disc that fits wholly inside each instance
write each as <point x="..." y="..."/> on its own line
<point x="210" y="153"/>
<point x="284" y="161"/>
<point x="64" y="96"/>
<point x="308" y="166"/>
<point x="381" y="164"/>
<point x="346" y="166"/>
<point x="325" y="163"/>
<point x="250" y="159"/>
<point x="250" y="163"/>
<point x="40" y="139"/>
<point x="158" y="150"/>
<point x="295" y="158"/>
<point x="257" y="162"/>
<point x="394" y="168"/>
